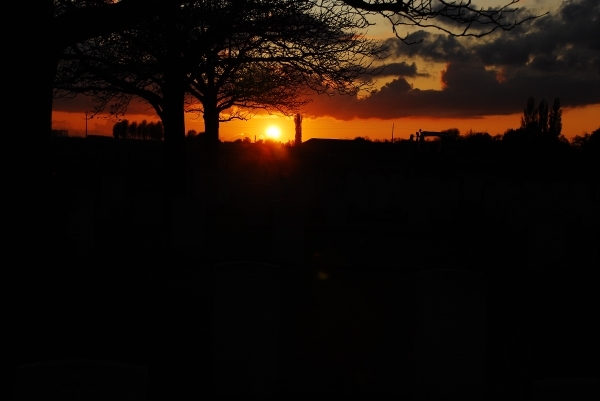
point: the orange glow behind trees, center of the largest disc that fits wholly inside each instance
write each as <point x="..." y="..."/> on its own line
<point x="576" y="121"/>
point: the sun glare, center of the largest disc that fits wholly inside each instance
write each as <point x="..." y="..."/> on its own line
<point x="273" y="132"/>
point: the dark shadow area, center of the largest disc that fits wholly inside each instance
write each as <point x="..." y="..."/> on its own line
<point x="375" y="269"/>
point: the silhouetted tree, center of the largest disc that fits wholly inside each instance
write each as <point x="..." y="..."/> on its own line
<point x="142" y="130"/>
<point x="66" y="22"/>
<point x="589" y="143"/>
<point x="541" y="123"/>
<point x="529" y="120"/>
<point x="555" y="120"/>
<point x="120" y="129"/>
<point x="514" y="139"/>
<point x="262" y="56"/>
<point x="298" y="127"/>
<point x="132" y="129"/>
<point x="451" y="133"/>
<point x="156" y="131"/>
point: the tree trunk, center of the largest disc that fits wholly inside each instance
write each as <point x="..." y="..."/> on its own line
<point x="174" y="122"/>
<point x="211" y="123"/>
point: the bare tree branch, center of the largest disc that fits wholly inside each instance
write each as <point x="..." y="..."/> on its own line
<point x="455" y="18"/>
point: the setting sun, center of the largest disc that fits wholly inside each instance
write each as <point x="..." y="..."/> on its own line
<point x="273" y="132"/>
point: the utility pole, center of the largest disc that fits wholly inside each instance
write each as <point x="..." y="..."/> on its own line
<point x="86" y="120"/>
<point x="392" y="132"/>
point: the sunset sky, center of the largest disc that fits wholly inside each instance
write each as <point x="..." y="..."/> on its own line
<point x="443" y="82"/>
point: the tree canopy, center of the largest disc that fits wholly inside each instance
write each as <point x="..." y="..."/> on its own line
<point x="265" y="55"/>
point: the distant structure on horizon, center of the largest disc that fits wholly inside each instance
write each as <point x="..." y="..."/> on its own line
<point x="298" y="125"/>
<point x="421" y="135"/>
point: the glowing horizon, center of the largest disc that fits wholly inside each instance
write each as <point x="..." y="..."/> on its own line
<point x="576" y="121"/>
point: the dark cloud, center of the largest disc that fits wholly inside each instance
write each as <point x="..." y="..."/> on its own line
<point x="432" y="47"/>
<point x="554" y="56"/>
<point x="402" y="69"/>
<point x="469" y="90"/>
<point x="566" y="39"/>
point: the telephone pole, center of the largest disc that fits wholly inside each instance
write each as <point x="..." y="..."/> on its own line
<point x="392" y="132"/>
<point x="86" y="125"/>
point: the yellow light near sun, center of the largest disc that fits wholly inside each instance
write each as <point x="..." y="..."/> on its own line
<point x="273" y="132"/>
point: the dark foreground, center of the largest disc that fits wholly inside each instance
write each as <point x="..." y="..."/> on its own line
<point x="383" y="274"/>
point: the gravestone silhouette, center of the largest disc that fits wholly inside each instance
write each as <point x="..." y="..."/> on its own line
<point x="80" y="380"/>
<point x="449" y="335"/>
<point x="245" y="347"/>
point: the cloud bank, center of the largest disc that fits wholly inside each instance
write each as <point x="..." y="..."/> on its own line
<point x="554" y="56"/>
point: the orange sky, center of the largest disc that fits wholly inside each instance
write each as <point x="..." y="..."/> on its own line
<point x="576" y="121"/>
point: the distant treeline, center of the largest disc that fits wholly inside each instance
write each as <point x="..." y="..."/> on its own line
<point x="511" y="140"/>
<point x="540" y="128"/>
<point x="133" y="130"/>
